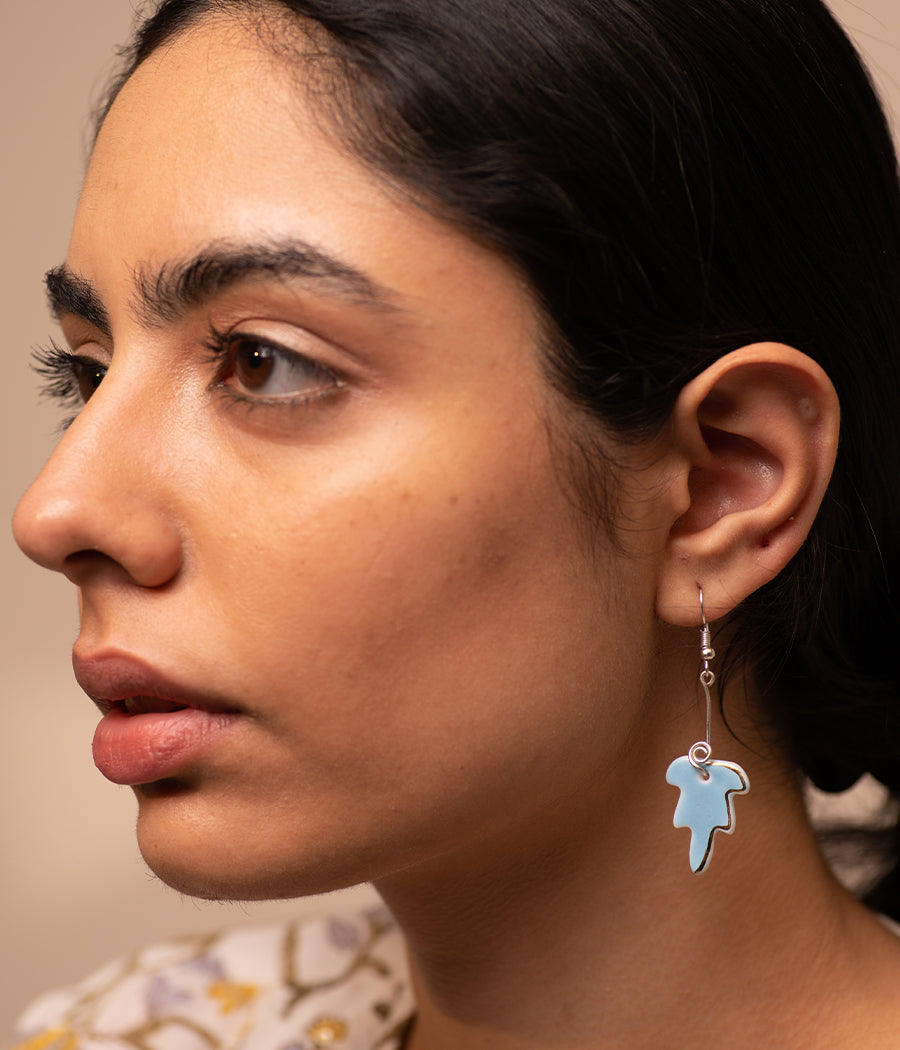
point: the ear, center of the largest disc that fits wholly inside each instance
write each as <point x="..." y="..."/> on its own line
<point x="756" y="436"/>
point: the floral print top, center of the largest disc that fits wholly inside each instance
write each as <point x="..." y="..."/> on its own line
<point x="338" y="982"/>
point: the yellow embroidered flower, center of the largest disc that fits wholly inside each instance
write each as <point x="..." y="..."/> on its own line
<point x="59" y="1038"/>
<point x="232" y="996"/>
<point x="327" y="1031"/>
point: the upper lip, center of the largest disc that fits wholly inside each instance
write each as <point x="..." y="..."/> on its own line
<point x="111" y="679"/>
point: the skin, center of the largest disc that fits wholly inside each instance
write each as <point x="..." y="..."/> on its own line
<point x="320" y="563"/>
<point x="439" y="684"/>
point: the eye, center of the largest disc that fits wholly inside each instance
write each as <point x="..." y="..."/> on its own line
<point x="71" y="378"/>
<point x="88" y="375"/>
<point x="255" y="368"/>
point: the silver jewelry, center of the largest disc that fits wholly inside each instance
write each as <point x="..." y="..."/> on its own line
<point x="707" y="785"/>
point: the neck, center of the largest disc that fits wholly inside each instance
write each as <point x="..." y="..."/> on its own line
<point x="597" y="934"/>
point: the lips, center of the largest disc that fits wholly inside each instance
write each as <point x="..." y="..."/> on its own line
<point x="153" y="726"/>
<point x="111" y="678"/>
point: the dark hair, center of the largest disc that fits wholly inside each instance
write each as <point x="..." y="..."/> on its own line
<point x="675" y="180"/>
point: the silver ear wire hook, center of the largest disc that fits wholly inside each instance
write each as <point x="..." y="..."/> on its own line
<point x="700" y="753"/>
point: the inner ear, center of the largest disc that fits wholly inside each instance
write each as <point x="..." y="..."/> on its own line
<point x="740" y="474"/>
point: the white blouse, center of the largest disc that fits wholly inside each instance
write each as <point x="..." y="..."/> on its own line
<point x="337" y="982"/>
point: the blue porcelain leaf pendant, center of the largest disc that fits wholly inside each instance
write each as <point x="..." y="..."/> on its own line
<point x="706" y="803"/>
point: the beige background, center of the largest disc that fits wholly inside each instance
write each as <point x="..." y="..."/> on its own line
<point x="73" y="890"/>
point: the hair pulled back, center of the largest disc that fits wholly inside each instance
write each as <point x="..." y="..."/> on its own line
<point x="675" y="180"/>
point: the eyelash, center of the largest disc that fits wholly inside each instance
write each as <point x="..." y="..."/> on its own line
<point x="64" y="372"/>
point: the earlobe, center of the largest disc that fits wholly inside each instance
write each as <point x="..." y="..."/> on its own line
<point x="757" y="434"/>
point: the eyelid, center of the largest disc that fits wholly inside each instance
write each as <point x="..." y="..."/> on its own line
<point x="286" y="335"/>
<point x="79" y="333"/>
<point x="218" y="340"/>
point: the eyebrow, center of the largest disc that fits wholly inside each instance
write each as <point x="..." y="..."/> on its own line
<point x="70" y="293"/>
<point x="165" y="294"/>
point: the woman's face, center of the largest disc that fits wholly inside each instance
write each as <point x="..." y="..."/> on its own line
<point x="334" y="593"/>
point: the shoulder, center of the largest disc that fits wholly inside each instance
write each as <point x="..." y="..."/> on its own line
<point x="338" y="980"/>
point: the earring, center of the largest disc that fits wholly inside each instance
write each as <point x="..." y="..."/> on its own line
<point x="707" y="785"/>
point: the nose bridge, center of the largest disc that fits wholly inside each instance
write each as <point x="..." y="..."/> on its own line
<point x="107" y="488"/>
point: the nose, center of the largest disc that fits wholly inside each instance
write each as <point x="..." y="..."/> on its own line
<point x="99" y="500"/>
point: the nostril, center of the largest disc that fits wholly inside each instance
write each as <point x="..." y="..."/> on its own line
<point x="78" y="566"/>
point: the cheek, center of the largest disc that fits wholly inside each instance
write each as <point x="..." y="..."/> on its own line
<point x="430" y="594"/>
<point x="362" y="570"/>
<point x="430" y="654"/>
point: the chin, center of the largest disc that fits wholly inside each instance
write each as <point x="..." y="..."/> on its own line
<point x="236" y="877"/>
<point x="217" y="856"/>
<point x="215" y="886"/>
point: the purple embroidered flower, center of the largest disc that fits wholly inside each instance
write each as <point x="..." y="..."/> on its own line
<point x="207" y="966"/>
<point x="162" y="995"/>
<point x="343" y="934"/>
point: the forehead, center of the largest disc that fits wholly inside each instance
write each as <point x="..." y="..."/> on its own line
<point x="212" y="102"/>
<point x="213" y="142"/>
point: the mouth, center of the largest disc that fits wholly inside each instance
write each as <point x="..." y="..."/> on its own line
<point x="140" y="705"/>
<point x="153" y="727"/>
<point x="124" y="683"/>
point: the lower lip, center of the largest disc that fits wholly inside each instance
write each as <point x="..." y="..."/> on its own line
<point x="141" y="749"/>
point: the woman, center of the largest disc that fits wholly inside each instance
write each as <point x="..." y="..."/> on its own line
<point x="442" y="373"/>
